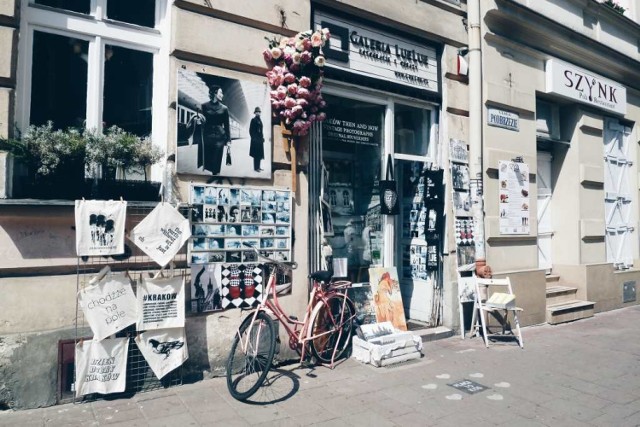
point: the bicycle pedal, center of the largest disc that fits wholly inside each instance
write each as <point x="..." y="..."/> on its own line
<point x="293" y="317"/>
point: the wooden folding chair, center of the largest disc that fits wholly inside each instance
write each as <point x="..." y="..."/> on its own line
<point x="496" y="296"/>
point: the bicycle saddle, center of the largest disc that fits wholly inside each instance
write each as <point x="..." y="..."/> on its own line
<point x="323" y="276"/>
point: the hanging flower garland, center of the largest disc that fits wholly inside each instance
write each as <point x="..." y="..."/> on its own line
<point x="295" y="76"/>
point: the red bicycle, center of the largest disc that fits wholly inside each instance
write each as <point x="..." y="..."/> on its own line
<point x="325" y="331"/>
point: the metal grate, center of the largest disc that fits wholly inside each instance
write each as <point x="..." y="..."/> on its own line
<point x="140" y="377"/>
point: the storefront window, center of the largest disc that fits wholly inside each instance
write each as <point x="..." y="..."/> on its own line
<point x="80" y="6"/>
<point x="142" y="14"/>
<point x="59" y="80"/>
<point x="352" y="151"/>
<point x="412" y="129"/>
<point x="128" y="83"/>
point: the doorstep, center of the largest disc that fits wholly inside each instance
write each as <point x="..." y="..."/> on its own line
<point x="428" y="333"/>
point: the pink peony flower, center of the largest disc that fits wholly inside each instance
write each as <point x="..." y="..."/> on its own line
<point x="312" y="118"/>
<point x="294" y="67"/>
<point x="326" y="34"/>
<point x="316" y="39"/>
<point x="266" y="54"/>
<point x="302" y="102"/>
<point x="289" y="78"/>
<point x="296" y="58"/>
<point x="289" y="102"/>
<point x="292" y="89"/>
<point x="276" y="52"/>
<point x="281" y="92"/>
<point x="306" y="57"/>
<point x="319" y="61"/>
<point x="303" y="93"/>
<point x="296" y="111"/>
<point x="306" y="44"/>
<point x="305" y="81"/>
<point x="321" y="117"/>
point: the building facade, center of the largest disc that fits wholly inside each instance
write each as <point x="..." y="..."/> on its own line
<point x="394" y="94"/>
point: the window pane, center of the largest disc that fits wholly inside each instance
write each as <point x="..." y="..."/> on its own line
<point x="352" y="142"/>
<point x="81" y="6"/>
<point x="143" y="13"/>
<point x="128" y="83"/>
<point x="59" y="80"/>
<point x="412" y="127"/>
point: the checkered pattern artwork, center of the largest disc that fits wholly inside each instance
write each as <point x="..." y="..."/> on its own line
<point x="464" y="232"/>
<point x="241" y="285"/>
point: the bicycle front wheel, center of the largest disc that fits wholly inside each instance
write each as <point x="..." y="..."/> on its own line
<point x="251" y="356"/>
<point x="329" y="332"/>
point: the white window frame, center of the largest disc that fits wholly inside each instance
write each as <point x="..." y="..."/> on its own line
<point x="388" y="101"/>
<point x="99" y="31"/>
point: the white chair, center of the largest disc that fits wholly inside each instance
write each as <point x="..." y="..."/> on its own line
<point x="495" y="296"/>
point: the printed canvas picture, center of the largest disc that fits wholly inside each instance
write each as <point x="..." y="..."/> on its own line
<point x="461" y="203"/>
<point x="223" y="126"/>
<point x="385" y="288"/>
<point x="241" y="285"/>
<point x="460" y="177"/>
<point x="362" y="299"/>
<point x="206" y="288"/>
<point x="458" y="151"/>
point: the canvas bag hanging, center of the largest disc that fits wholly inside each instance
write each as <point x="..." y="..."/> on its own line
<point x="162" y="233"/>
<point x="100" y="227"/>
<point x="388" y="192"/>
<point x="101" y="367"/>
<point x="160" y="303"/>
<point x="163" y="349"/>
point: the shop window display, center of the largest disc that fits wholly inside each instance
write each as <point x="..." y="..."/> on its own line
<point x="352" y="153"/>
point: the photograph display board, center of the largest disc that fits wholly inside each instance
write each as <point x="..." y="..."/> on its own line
<point x="513" y="197"/>
<point x="224" y="218"/>
<point x="462" y="205"/>
<point x="223" y="126"/>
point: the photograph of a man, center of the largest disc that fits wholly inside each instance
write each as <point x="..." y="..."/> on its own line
<point x="219" y="127"/>
<point x="256" y="150"/>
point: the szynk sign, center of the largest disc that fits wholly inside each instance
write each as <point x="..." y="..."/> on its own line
<point x="503" y="119"/>
<point x="584" y="86"/>
<point x="374" y="53"/>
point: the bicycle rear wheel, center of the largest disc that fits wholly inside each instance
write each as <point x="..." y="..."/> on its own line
<point x="325" y="328"/>
<point x="251" y="356"/>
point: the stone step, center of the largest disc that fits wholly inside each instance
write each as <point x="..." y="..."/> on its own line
<point x="569" y="311"/>
<point x="551" y="278"/>
<point x="557" y="294"/>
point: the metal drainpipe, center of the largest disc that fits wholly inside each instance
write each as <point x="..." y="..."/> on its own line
<point x="475" y="131"/>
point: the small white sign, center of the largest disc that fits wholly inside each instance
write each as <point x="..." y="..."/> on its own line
<point x="503" y="119"/>
<point x="586" y="87"/>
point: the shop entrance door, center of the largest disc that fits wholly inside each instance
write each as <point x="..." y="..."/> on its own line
<point x="545" y="225"/>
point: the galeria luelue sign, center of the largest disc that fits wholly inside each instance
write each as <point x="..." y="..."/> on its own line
<point x="377" y="54"/>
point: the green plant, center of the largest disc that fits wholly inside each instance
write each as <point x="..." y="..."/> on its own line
<point x="44" y="149"/>
<point x="613" y="4"/>
<point x="117" y="148"/>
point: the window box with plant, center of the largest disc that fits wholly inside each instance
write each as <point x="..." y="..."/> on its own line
<point x="71" y="164"/>
<point x="613" y="4"/>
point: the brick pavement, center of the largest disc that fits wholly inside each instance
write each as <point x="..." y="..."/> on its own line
<point x="585" y="373"/>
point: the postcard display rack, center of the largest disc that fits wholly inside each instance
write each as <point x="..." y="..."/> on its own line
<point x="224" y="220"/>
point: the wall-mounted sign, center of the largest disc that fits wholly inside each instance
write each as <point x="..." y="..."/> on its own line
<point x="586" y="87"/>
<point x="374" y="53"/>
<point x="514" y="197"/>
<point x="503" y="119"/>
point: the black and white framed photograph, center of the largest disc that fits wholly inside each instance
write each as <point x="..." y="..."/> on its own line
<point x="460" y="177"/>
<point x="461" y="203"/>
<point x="221" y="128"/>
<point x="458" y="151"/>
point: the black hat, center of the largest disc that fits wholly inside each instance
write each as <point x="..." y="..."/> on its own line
<point x="257" y="110"/>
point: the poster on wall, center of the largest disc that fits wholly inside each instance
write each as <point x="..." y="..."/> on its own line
<point x="467" y="289"/>
<point x="464" y="232"/>
<point x="163" y="349"/>
<point x="362" y="298"/>
<point x="385" y="288"/>
<point x="109" y="306"/>
<point x="225" y="219"/>
<point x="162" y="233"/>
<point x="206" y="287"/>
<point x="415" y="262"/>
<point x="160" y="303"/>
<point x="101" y="366"/>
<point x="241" y="285"/>
<point x="223" y="126"/>
<point x="458" y="151"/>
<point x="100" y="227"/>
<point x="513" y="191"/>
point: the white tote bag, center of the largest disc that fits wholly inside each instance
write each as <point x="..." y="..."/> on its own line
<point x="160" y="303"/>
<point x="109" y="306"/>
<point x="101" y="367"/>
<point x="162" y="233"/>
<point x="100" y="227"/>
<point x="163" y="349"/>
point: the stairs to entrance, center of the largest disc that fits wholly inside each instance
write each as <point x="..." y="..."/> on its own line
<point x="562" y="304"/>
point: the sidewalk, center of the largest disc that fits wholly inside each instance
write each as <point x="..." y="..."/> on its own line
<point x="578" y="374"/>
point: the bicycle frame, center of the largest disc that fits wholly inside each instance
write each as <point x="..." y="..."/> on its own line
<point x="298" y="331"/>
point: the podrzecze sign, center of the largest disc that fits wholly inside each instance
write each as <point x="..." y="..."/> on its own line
<point x="503" y="119"/>
<point x="581" y="85"/>
<point x="376" y="54"/>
